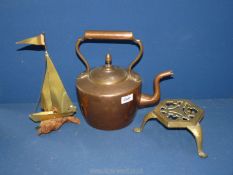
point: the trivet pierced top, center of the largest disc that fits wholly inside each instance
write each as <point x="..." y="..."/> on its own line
<point x="178" y="113"/>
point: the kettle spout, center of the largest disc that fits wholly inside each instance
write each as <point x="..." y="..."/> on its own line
<point x="147" y="100"/>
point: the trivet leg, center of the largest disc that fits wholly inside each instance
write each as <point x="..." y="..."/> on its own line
<point x="197" y="132"/>
<point x="146" y="118"/>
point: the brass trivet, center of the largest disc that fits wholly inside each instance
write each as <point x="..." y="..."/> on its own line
<point x="178" y="113"/>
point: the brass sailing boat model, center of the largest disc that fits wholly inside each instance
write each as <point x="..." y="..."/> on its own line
<point x="57" y="107"/>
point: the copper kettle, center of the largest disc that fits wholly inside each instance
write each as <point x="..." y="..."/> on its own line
<point x="110" y="95"/>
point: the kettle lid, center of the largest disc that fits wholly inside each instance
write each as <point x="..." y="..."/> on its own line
<point x="108" y="74"/>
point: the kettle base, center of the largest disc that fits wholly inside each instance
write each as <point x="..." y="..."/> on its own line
<point x="109" y="128"/>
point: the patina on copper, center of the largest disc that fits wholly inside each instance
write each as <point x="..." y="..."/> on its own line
<point x="109" y="95"/>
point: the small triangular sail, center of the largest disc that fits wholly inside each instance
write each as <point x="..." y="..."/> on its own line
<point x="36" y="40"/>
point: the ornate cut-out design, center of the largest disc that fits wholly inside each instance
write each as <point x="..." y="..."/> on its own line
<point x="178" y="110"/>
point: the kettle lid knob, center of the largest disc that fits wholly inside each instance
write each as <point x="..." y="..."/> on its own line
<point x="108" y="60"/>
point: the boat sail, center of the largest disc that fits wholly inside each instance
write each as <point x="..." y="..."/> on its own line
<point x="54" y="100"/>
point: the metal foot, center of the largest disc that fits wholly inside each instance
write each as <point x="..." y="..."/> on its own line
<point x="197" y="132"/>
<point x="146" y="118"/>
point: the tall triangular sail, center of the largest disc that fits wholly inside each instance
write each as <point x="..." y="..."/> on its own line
<point x="54" y="100"/>
<point x="53" y="93"/>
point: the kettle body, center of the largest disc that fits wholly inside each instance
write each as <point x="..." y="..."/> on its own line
<point x="108" y="107"/>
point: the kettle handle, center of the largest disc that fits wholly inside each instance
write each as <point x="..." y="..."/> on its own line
<point x="108" y="35"/>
